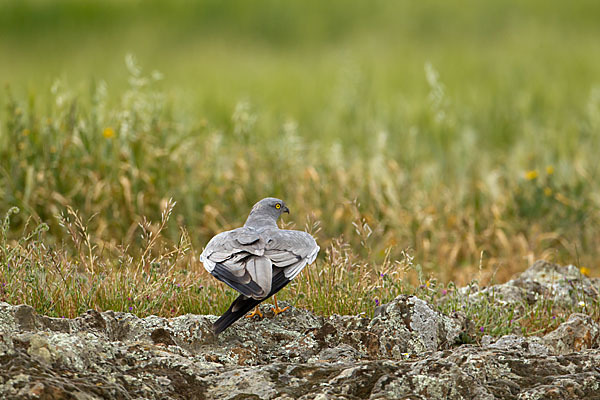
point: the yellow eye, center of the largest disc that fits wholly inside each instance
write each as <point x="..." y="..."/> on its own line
<point x="278" y="206"/>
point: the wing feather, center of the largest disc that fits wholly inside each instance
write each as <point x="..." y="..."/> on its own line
<point x="291" y="250"/>
<point x="244" y="258"/>
<point x="235" y="257"/>
<point x="261" y="272"/>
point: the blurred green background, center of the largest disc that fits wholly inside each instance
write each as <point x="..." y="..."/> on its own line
<point x="293" y="58"/>
<point x="460" y="127"/>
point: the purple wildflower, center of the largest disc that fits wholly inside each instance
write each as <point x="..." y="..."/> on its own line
<point x="376" y="302"/>
<point x="444" y="292"/>
<point x="482" y="329"/>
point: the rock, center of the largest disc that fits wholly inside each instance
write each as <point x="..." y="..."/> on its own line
<point x="564" y="286"/>
<point x="469" y="372"/>
<point x="408" y="351"/>
<point x="409" y="325"/>
<point x="39" y="348"/>
<point x="530" y="345"/>
<point x="579" y="333"/>
<point x="340" y="354"/>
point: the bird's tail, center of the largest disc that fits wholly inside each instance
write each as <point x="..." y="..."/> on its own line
<point x="243" y="304"/>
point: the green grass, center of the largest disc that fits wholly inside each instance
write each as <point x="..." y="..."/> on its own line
<point x="462" y="136"/>
<point x="165" y="279"/>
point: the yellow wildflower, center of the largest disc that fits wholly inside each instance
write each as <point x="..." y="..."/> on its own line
<point x="26" y="132"/>
<point x="548" y="191"/>
<point x="584" y="271"/>
<point x="549" y="169"/>
<point x="531" y="175"/>
<point x="108" y="133"/>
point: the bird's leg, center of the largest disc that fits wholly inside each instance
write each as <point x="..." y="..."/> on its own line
<point x="276" y="309"/>
<point x="255" y="313"/>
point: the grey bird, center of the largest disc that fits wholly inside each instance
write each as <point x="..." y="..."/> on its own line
<point x="258" y="259"/>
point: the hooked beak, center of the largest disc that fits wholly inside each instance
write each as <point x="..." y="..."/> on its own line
<point x="286" y="210"/>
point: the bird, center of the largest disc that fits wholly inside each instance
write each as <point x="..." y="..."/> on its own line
<point x="257" y="259"/>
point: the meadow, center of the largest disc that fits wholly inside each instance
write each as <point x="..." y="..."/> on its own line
<point x="426" y="146"/>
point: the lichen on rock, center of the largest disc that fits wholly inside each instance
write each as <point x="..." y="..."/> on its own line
<point x="408" y="350"/>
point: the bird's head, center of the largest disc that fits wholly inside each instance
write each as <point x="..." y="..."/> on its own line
<point x="269" y="209"/>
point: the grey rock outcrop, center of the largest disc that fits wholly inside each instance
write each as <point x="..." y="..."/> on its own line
<point x="565" y="286"/>
<point x="408" y="351"/>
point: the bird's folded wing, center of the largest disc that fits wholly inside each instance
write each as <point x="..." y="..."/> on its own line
<point x="291" y="250"/>
<point x="236" y="258"/>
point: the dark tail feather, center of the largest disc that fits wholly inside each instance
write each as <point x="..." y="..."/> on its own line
<point x="244" y="304"/>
